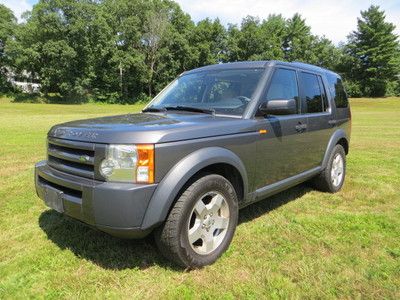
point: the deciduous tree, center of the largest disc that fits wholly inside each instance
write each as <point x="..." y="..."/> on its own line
<point x="8" y="24"/>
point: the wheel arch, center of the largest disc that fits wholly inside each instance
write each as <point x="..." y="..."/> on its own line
<point x="345" y="144"/>
<point x="338" y="137"/>
<point x="215" y="160"/>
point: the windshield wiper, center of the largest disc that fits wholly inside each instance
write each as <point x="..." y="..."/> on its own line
<point x="180" y="107"/>
<point x="154" y="109"/>
<point x="209" y="111"/>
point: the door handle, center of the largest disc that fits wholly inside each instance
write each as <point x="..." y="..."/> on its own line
<point x="301" y="127"/>
<point x="332" y="122"/>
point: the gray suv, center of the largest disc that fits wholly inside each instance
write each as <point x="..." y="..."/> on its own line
<point x="216" y="139"/>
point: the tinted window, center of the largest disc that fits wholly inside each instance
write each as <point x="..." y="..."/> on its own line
<point x="323" y="92"/>
<point x="283" y="85"/>
<point x="312" y="93"/>
<point x="337" y="91"/>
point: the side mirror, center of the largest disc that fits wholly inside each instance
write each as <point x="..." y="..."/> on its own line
<point x="278" y="107"/>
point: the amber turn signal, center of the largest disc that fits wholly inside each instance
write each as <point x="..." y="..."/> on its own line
<point x="145" y="164"/>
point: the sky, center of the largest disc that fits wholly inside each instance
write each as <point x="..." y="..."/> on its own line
<point x="333" y="19"/>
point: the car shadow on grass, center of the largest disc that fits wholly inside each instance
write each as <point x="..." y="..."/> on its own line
<point x="102" y="249"/>
<point x="118" y="254"/>
<point x="264" y="206"/>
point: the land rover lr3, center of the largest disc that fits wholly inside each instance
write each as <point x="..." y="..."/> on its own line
<point x="213" y="141"/>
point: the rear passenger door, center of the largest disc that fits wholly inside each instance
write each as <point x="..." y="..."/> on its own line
<point x="315" y="106"/>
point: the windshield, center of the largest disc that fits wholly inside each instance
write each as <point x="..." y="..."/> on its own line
<point x="225" y="92"/>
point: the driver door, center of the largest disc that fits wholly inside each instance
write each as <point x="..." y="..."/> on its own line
<point x="281" y="151"/>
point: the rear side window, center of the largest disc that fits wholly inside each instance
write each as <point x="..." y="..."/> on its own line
<point x="283" y="85"/>
<point x="312" y="93"/>
<point x="337" y="91"/>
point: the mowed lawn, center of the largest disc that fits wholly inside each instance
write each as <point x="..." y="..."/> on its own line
<point x="297" y="244"/>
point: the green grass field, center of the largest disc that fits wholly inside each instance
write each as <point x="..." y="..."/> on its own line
<point x="297" y="244"/>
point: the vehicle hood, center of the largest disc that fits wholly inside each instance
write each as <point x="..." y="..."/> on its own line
<point x="150" y="128"/>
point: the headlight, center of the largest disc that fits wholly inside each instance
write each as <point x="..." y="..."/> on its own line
<point x="128" y="163"/>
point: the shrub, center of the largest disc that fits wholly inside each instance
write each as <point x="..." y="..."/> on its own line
<point x="393" y="88"/>
<point x="353" y="89"/>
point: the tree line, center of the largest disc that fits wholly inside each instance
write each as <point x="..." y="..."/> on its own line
<point x="128" y="50"/>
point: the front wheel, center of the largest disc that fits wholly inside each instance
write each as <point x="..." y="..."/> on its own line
<point x="201" y="224"/>
<point x="332" y="177"/>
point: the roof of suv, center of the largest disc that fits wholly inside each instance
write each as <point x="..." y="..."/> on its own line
<point x="260" y="64"/>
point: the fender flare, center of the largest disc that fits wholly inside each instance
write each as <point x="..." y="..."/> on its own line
<point x="336" y="136"/>
<point x="176" y="178"/>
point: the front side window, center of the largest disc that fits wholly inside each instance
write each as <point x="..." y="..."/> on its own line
<point x="225" y="91"/>
<point x="283" y="85"/>
<point x="311" y="93"/>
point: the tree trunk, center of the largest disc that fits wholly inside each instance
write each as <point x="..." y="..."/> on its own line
<point x="152" y="62"/>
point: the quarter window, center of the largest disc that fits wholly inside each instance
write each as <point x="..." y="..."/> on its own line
<point x="337" y="91"/>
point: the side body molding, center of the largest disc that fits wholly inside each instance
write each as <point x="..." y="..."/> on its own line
<point x="175" y="179"/>
<point x="336" y="136"/>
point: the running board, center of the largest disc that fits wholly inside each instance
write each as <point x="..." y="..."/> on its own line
<point x="282" y="185"/>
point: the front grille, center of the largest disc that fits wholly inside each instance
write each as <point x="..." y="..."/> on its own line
<point x="76" y="158"/>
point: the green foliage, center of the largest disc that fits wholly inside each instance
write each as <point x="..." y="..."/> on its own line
<point x="393" y="88"/>
<point x="7" y="28"/>
<point x="208" y="41"/>
<point x="375" y="51"/>
<point x="353" y="88"/>
<point x="279" y="39"/>
<point x="121" y="50"/>
<point x="298" y="39"/>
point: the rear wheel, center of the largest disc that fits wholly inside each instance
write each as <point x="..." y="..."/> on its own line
<point x="332" y="177"/>
<point x="201" y="224"/>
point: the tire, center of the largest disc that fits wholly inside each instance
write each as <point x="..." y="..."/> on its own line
<point x="327" y="180"/>
<point x="189" y="219"/>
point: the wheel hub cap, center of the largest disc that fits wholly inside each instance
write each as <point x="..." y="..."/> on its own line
<point x="337" y="170"/>
<point x="208" y="223"/>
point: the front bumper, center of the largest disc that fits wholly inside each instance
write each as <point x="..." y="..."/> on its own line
<point x="115" y="208"/>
